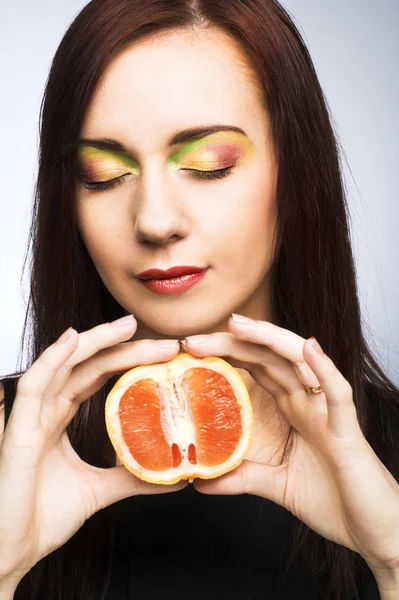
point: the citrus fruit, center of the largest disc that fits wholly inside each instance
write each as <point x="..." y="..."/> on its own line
<point x="180" y="419"/>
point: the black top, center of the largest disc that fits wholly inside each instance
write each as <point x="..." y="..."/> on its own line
<point x="189" y="545"/>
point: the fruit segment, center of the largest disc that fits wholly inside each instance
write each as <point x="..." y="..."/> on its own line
<point x="140" y="417"/>
<point x="194" y="418"/>
<point x="181" y="419"/>
<point x="216" y="414"/>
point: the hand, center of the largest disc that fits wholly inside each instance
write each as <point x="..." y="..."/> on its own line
<point x="46" y="491"/>
<point x="333" y="481"/>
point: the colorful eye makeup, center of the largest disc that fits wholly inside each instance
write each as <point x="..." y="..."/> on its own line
<point x="216" y="151"/>
<point x="210" y="157"/>
<point x="98" y="165"/>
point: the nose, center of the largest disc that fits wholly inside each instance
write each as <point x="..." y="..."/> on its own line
<point x="158" y="210"/>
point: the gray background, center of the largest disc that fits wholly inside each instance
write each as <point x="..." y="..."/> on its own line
<point x="355" y="49"/>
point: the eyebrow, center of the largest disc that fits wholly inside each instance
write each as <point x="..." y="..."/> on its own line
<point x="184" y="136"/>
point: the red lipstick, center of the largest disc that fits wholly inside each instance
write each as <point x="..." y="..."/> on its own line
<point x="172" y="281"/>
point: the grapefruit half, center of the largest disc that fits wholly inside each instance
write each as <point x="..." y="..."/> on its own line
<point x="181" y="419"/>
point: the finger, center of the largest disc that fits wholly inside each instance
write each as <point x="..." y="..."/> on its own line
<point x="283" y="342"/>
<point x="298" y="409"/>
<point x="259" y="374"/>
<point x="103" y="336"/>
<point x="226" y="344"/>
<point x="273" y="373"/>
<point x="89" y="343"/>
<point x="90" y="376"/>
<point x="341" y="410"/>
<point x="117" y="483"/>
<point x="25" y="415"/>
<point x="249" y="478"/>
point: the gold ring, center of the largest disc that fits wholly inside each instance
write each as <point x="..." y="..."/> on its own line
<point x="313" y="390"/>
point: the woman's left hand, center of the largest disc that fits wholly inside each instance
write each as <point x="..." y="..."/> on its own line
<point x="332" y="480"/>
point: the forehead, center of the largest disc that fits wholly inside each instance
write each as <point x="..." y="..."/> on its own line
<point x="159" y="86"/>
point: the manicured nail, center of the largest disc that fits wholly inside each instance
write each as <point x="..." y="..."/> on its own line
<point x="196" y="339"/>
<point x="316" y="346"/>
<point x="241" y="320"/>
<point x="65" y="336"/>
<point x="123" y="322"/>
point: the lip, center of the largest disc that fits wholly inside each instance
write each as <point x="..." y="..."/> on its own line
<point x="172" y="285"/>
<point x="177" y="271"/>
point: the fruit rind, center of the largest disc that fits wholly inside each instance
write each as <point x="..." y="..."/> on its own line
<point x="176" y="366"/>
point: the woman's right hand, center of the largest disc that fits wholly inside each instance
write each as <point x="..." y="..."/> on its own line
<point x="46" y="491"/>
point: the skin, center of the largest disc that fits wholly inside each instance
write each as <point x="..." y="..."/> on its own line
<point x="332" y="479"/>
<point x="160" y="216"/>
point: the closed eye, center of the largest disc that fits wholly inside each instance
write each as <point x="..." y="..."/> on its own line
<point x="196" y="174"/>
<point x="104" y="185"/>
<point x="218" y="174"/>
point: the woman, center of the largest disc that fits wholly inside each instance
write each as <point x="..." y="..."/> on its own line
<point x="196" y="133"/>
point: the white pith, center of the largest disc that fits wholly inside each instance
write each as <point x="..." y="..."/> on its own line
<point x="176" y="417"/>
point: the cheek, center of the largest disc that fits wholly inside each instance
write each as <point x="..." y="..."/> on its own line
<point x="101" y="236"/>
<point x="243" y="229"/>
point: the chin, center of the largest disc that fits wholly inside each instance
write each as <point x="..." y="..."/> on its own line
<point x="180" y="326"/>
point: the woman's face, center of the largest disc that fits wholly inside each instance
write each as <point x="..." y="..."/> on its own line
<point x="161" y="214"/>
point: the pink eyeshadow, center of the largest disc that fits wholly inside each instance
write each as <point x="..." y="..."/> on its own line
<point x="88" y="170"/>
<point x="226" y="154"/>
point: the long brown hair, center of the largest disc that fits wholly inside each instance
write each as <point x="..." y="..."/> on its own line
<point x="315" y="289"/>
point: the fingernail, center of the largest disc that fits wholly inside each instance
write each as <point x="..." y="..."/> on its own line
<point x="196" y="339"/>
<point x="167" y="343"/>
<point x="316" y="346"/>
<point x="241" y="320"/>
<point x="65" y="336"/>
<point x="123" y="322"/>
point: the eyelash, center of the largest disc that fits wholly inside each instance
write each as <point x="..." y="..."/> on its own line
<point x="204" y="175"/>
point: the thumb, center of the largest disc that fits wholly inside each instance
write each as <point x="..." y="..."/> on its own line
<point x="249" y="477"/>
<point x="117" y="483"/>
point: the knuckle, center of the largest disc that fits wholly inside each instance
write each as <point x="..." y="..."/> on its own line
<point x="84" y="377"/>
<point x="300" y="364"/>
<point x="97" y="341"/>
<point x="268" y="363"/>
<point x="272" y="345"/>
<point x="347" y="392"/>
<point x="337" y="380"/>
<point x="65" y="369"/>
<point x="24" y="387"/>
<point x="294" y="395"/>
<point x="332" y="374"/>
<point x="98" y="369"/>
<point x="98" y="338"/>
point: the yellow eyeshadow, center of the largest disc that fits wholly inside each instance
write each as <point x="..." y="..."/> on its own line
<point x="216" y="151"/>
<point x="104" y="165"/>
